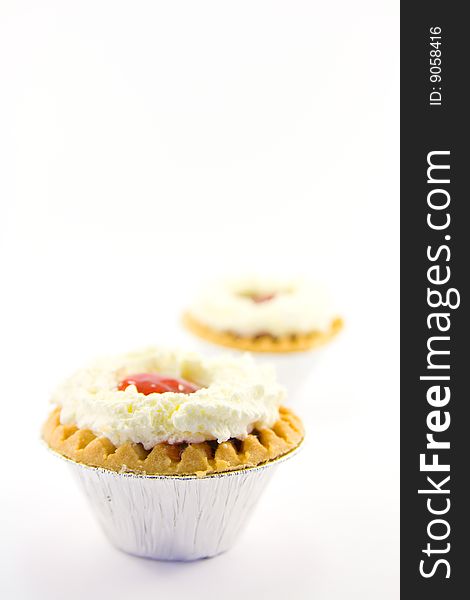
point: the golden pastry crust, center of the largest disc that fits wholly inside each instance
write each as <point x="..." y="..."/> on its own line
<point x="82" y="446"/>
<point x="263" y="343"/>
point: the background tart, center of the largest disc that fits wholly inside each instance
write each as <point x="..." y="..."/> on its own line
<point x="260" y="446"/>
<point x="265" y="342"/>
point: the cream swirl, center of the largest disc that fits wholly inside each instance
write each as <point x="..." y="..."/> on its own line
<point x="237" y="396"/>
<point x="253" y="306"/>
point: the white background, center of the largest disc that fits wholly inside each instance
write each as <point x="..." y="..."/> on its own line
<point x="144" y="148"/>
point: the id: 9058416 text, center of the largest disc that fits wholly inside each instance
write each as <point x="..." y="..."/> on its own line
<point x="435" y="66"/>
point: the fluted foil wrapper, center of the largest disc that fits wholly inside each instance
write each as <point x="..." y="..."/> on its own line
<point x="174" y="517"/>
<point x="292" y="368"/>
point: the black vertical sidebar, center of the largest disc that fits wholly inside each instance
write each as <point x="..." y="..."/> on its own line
<point x="435" y="119"/>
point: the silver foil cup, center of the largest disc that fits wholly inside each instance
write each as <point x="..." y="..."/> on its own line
<point x="167" y="517"/>
<point x="293" y="369"/>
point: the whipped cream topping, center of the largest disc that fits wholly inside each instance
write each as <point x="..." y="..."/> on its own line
<point x="237" y="396"/>
<point x="296" y="306"/>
